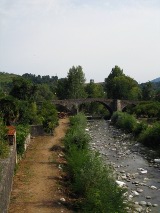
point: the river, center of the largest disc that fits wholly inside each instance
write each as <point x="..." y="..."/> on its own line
<point x="132" y="167"/>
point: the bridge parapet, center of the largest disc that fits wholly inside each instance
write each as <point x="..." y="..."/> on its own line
<point x="111" y="104"/>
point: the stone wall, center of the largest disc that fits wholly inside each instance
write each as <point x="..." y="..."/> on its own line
<point x="6" y="175"/>
<point x="7" y="167"/>
<point x="37" y="130"/>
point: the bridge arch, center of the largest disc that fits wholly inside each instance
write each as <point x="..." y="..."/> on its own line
<point x="104" y="104"/>
<point x="112" y="105"/>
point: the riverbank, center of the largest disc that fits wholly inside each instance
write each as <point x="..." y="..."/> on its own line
<point x="36" y="185"/>
<point x="129" y="161"/>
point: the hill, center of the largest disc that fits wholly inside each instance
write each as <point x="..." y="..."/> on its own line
<point x="156" y="80"/>
<point x="6" y="77"/>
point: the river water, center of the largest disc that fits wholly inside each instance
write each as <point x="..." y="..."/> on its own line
<point x="132" y="167"/>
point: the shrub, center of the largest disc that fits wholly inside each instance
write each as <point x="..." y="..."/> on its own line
<point x="21" y="133"/>
<point x="4" y="147"/>
<point x="78" y="137"/>
<point x="139" y="128"/>
<point x="124" y="121"/>
<point x="151" y="136"/>
<point x="78" y="120"/>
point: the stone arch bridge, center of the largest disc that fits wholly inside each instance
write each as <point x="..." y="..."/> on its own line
<point x="111" y="104"/>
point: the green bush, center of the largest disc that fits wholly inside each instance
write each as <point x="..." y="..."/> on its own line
<point x="78" y="137"/>
<point x="4" y="147"/>
<point x="124" y="121"/>
<point x="48" y="116"/>
<point x="151" y="136"/>
<point x="21" y="133"/>
<point x="139" y="128"/>
<point x="78" y="120"/>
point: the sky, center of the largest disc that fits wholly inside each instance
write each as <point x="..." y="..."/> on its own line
<point x="48" y="37"/>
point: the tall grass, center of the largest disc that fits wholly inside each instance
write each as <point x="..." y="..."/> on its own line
<point x="91" y="180"/>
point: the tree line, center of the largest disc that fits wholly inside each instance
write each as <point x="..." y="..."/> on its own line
<point x="20" y="95"/>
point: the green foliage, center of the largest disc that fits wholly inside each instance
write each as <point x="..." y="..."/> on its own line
<point x="4" y="148"/>
<point x="43" y="93"/>
<point x="46" y="79"/>
<point x="148" y="91"/>
<point x="146" y="134"/>
<point x="79" y="120"/>
<point x="120" y="86"/>
<point x="48" y="115"/>
<point x="76" y="80"/>
<point x="6" y="77"/>
<point x="21" y="134"/>
<point x="151" y="136"/>
<point x="94" y="90"/>
<point x="124" y="121"/>
<point x="23" y="89"/>
<point x="90" y="179"/>
<point x="147" y="109"/>
<point x="9" y="109"/>
<point x="139" y="128"/>
<point x="62" y="88"/>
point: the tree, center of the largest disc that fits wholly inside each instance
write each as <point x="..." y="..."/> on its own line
<point x="49" y="116"/>
<point x="94" y="90"/>
<point x="9" y="110"/>
<point x="23" y="89"/>
<point x="76" y="81"/>
<point x="116" y="72"/>
<point x="62" y="88"/>
<point x="120" y="86"/>
<point x="148" y="92"/>
<point x="43" y="92"/>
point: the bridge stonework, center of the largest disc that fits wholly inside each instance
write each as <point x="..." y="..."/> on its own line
<point x="111" y="104"/>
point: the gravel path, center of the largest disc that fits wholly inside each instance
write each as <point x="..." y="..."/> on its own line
<point x="36" y="187"/>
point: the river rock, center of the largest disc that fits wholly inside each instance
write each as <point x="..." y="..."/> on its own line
<point x="135" y="193"/>
<point x="153" y="187"/>
<point x="142" y="203"/>
<point x="157" y="160"/>
<point x="120" y="183"/>
<point x="149" y="204"/>
<point x="148" y="197"/>
<point x="139" y="190"/>
<point x="155" y="205"/>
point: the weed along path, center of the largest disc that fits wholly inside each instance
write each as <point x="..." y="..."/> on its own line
<point x="36" y="186"/>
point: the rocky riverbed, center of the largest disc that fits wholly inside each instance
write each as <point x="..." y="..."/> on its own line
<point x="133" y="168"/>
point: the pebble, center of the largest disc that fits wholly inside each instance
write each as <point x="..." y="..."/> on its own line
<point x="142" y="203"/>
<point x="139" y="190"/>
<point x="155" y="205"/>
<point x="62" y="199"/>
<point x="135" y="193"/>
<point x="149" y="204"/>
<point x="148" y="197"/>
<point x="153" y="187"/>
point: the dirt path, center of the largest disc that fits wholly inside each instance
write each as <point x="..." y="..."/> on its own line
<point x="36" y="186"/>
